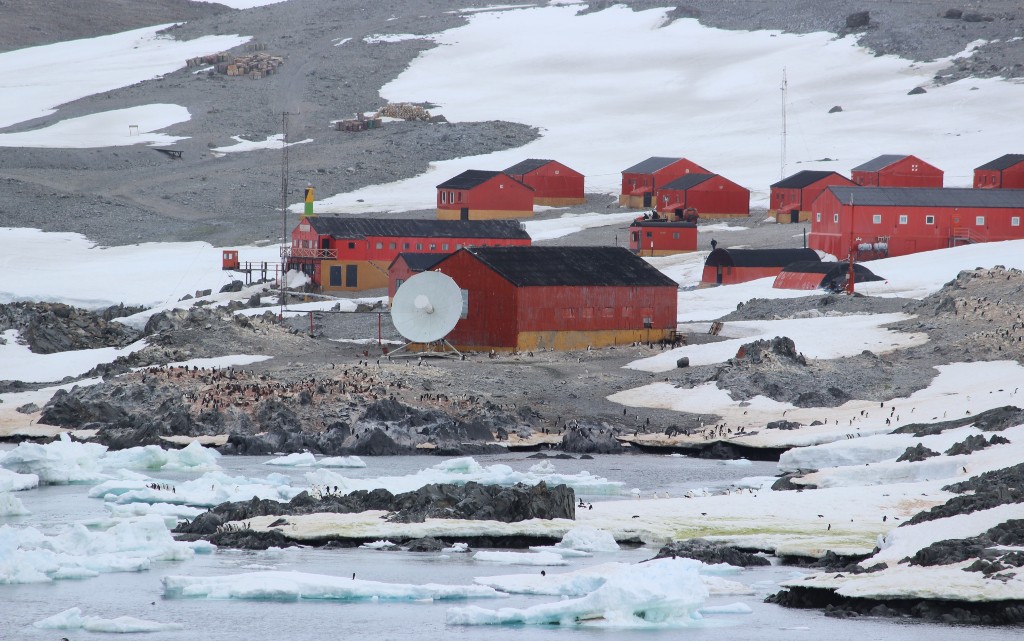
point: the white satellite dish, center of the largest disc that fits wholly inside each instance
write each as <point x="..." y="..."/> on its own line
<point x="426" y="308"/>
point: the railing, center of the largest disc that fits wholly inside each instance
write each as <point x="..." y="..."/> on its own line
<point x="969" y="235"/>
<point x="308" y="252"/>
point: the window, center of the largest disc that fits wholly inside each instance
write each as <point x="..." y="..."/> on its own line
<point x="433" y="246"/>
<point x="929" y="220"/>
<point x="876" y="219"/>
<point x="458" y="245"/>
<point x="903" y="219"/>
<point x="649" y="234"/>
<point x="444" y="197"/>
<point x="398" y="283"/>
<point x="817" y="217"/>
<point x="636" y="236"/>
<point x="675" y="235"/>
<point x="380" y="245"/>
<point x="608" y="312"/>
<point x="835" y="218"/>
<point x="587" y="312"/>
<point x="444" y="246"/>
<point x="451" y="196"/>
<point x="460" y="196"/>
<point x="1015" y="221"/>
<point x="419" y="246"/>
<point x="405" y="245"/>
<point x="568" y="312"/>
<point x="979" y="220"/>
<point x="351" y="245"/>
<point x="465" y="303"/>
<point x="392" y="245"/>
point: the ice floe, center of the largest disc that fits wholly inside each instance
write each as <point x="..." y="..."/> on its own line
<point x="520" y="558"/>
<point x="210" y="489"/>
<point x="11" y="505"/>
<point x="307" y="459"/>
<point x="73" y="619"/>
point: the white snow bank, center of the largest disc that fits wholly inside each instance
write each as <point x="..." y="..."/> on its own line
<point x="105" y="129"/>
<point x="520" y="558"/>
<point x="574" y="223"/>
<point x="275" y="141"/>
<point x="73" y="619"/>
<point x="290" y="586"/>
<point x="19" y="363"/>
<point x="30" y="556"/>
<point x="307" y="459"/>
<point x="662" y="593"/>
<point x="588" y="539"/>
<point x="461" y="471"/>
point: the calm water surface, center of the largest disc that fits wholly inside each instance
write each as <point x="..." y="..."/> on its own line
<point x="140" y="594"/>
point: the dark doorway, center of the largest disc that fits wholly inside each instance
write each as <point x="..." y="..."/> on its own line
<point x="647" y="199"/>
<point x="335" y="279"/>
<point x="351" y="273"/>
<point x="718" y="274"/>
<point x="464" y="213"/>
<point x="794" y="216"/>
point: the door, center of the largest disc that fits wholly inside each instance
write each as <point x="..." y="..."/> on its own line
<point x="351" y="273"/>
<point x="718" y="274"/>
<point x="335" y="279"/>
<point x="464" y="213"/>
<point x="647" y="199"/>
<point x="794" y="216"/>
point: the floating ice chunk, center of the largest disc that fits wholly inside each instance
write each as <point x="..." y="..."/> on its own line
<point x="15" y="482"/>
<point x="341" y="461"/>
<point x="566" y="553"/>
<point x="457" y="548"/>
<point x="296" y="459"/>
<point x="212" y="488"/>
<point x="72" y="619"/>
<point x="732" y="608"/>
<point x="544" y="467"/>
<point x="741" y="462"/>
<point x="521" y="558"/>
<point x="171" y="513"/>
<point x="661" y="593"/>
<point x="378" y="545"/>
<point x="58" y="463"/>
<point x="152" y="457"/>
<point x="11" y="505"/>
<point x="588" y="539"/>
<point x="290" y="586"/>
<point x="464" y="470"/>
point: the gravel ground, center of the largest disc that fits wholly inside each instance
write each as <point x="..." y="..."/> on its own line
<point x="126" y="195"/>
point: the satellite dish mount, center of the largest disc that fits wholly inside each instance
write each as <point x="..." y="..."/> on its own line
<point x="425" y="310"/>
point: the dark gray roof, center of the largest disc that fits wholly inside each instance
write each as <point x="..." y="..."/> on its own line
<point x="469" y="179"/>
<point x="880" y="163"/>
<point x="526" y="166"/>
<point x="804" y="178"/>
<point x="420" y="261"/>
<point x="571" y="266"/>
<point x="930" y="197"/>
<point x="759" y="257"/>
<point x="651" y="165"/>
<point x="1004" y="162"/>
<point x="661" y="223"/>
<point x="833" y="274"/>
<point x="689" y="180"/>
<point x="416" y="228"/>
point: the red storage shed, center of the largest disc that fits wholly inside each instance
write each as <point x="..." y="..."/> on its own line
<point x="1005" y="172"/>
<point x="892" y="221"/>
<point x="408" y="264"/>
<point x="895" y="170"/>
<point x="483" y="195"/>
<point x="353" y="254"/>
<point x="709" y="195"/>
<point x="832" y="276"/>
<point x="791" y="197"/>
<point x="528" y="298"/>
<point x="554" y="184"/>
<point x="640" y="181"/>
<point x="661" y="237"/>
<point x="731" y="266"/>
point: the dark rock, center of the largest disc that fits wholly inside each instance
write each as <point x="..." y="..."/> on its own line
<point x="985" y="546"/>
<point x="249" y="540"/>
<point x="916" y="453"/>
<point x="711" y="553"/>
<point x="590" y="439"/>
<point x="836" y="109"/>
<point x="426" y="544"/>
<point x="683" y="362"/>
<point x="786" y="482"/>
<point x="975" y="443"/>
<point x="27" y="408"/>
<point x="953" y="14"/>
<point x="916" y="91"/>
<point x="993" y="420"/>
<point x="975" y="17"/>
<point x="858" y="20"/>
<point x="784" y="425"/>
<point x="233" y="286"/>
<point x="982" y="492"/>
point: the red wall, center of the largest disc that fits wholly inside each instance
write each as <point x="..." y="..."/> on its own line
<point x="798" y="280"/>
<point x="733" y="275"/>
<point x="498" y="193"/>
<point x="1012" y="178"/>
<point x="908" y="172"/>
<point x="783" y="198"/>
<point x="554" y="180"/>
<point x="916" y="235"/>
<point x="491" y="320"/>
<point x="661" y="238"/>
<point x="639" y="183"/>
<point x="716" y="195"/>
<point x="399" y="270"/>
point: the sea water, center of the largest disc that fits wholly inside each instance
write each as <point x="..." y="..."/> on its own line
<point x="141" y="594"/>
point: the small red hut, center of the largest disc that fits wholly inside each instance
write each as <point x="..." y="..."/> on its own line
<point x="483" y="195"/>
<point x="528" y="298"/>
<point x="895" y="170"/>
<point x="408" y="264"/>
<point x="731" y="266"/>
<point x="791" y="197"/>
<point x="661" y="237"/>
<point x="1005" y="172"/>
<point x="640" y="181"/>
<point x="554" y="184"/>
<point x="710" y="195"/>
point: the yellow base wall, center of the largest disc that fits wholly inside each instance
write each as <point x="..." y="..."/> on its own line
<point x="484" y="214"/>
<point x="559" y="202"/>
<point x="664" y="252"/>
<point x="802" y="216"/>
<point x="569" y="340"/>
<point x="371" y="274"/>
<point x="632" y="202"/>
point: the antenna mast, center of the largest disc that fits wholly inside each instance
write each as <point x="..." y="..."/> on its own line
<point x="784" y="87"/>
<point x="284" y="208"/>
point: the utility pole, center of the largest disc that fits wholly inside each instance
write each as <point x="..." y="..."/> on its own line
<point x="782" y="171"/>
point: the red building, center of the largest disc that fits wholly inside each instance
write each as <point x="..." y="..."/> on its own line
<point x="640" y="181"/>
<point x="791" y="197"/>
<point x="554" y="184"/>
<point x="528" y="298"/>
<point x="731" y="266"/>
<point x="353" y="254"/>
<point x="662" y="237"/>
<point x="895" y="170"/>
<point x="408" y="264"/>
<point x="708" y="195"/>
<point x="483" y="195"/>
<point x="893" y="222"/>
<point x="1005" y="172"/>
<point x="832" y="276"/>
